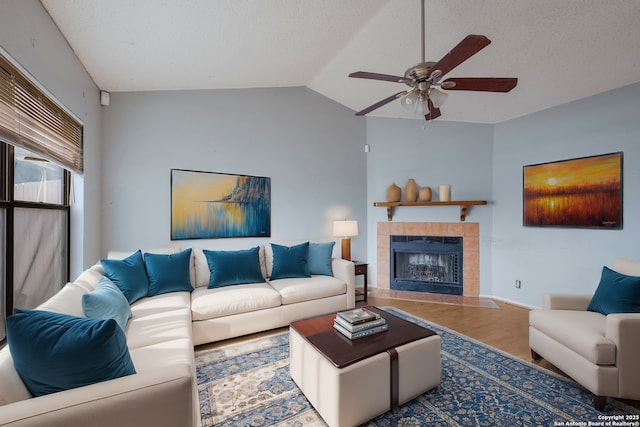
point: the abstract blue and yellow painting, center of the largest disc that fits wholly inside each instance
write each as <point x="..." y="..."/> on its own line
<point x="209" y="205"/>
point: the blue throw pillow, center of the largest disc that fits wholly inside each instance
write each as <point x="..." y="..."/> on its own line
<point x="290" y="261"/>
<point x="616" y="293"/>
<point x="233" y="267"/>
<point x="168" y="273"/>
<point x="129" y="275"/>
<point x="53" y="352"/>
<point x="107" y="302"/>
<point x="320" y="258"/>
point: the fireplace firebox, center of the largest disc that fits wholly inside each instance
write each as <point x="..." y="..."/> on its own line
<point x="426" y="264"/>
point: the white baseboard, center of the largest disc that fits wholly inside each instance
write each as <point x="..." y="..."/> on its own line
<point x="508" y="301"/>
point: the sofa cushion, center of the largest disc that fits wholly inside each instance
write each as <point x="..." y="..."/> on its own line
<point x="290" y="261"/>
<point x="158" y="327"/>
<point x="626" y="266"/>
<point x="233" y="267"/>
<point x="67" y="301"/>
<point x="90" y="277"/>
<point x="297" y="290"/>
<point x="320" y="255"/>
<point x="12" y="388"/>
<point x="54" y="352"/>
<point x="174" y="352"/>
<point x="129" y="275"/>
<point x="212" y="303"/>
<point x="581" y="331"/>
<point x="160" y="304"/>
<point x="107" y="302"/>
<point x="616" y="293"/>
<point x="168" y="272"/>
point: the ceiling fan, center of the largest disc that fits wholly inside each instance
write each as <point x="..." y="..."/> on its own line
<point x="424" y="97"/>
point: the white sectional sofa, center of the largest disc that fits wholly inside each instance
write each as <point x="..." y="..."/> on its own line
<point x="160" y="337"/>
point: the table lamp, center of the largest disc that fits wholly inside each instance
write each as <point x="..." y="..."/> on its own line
<point x="345" y="229"/>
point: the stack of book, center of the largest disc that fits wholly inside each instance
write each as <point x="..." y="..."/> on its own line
<point x="358" y="323"/>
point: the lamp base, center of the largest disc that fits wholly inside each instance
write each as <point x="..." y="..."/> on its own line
<point x="346" y="248"/>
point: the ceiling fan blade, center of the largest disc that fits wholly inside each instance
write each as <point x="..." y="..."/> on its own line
<point x="381" y="103"/>
<point x="433" y="113"/>
<point x="468" y="47"/>
<point x="482" y="84"/>
<point x="378" y="76"/>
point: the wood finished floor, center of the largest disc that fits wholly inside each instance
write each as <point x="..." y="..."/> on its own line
<point x="495" y="323"/>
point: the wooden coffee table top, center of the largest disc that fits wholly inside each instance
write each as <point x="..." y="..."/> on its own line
<point x="342" y="351"/>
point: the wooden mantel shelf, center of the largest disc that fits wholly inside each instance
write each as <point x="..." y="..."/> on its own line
<point x="464" y="206"/>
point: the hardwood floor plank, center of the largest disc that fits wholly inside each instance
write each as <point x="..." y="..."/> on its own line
<point x="505" y="327"/>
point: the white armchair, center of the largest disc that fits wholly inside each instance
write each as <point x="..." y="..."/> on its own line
<point x="599" y="352"/>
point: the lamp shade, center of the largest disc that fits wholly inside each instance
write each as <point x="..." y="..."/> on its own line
<point x="437" y="97"/>
<point x="345" y="228"/>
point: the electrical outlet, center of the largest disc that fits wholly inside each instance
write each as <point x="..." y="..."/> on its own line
<point x="518" y="284"/>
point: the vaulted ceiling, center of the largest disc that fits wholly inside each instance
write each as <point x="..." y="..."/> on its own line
<point x="560" y="50"/>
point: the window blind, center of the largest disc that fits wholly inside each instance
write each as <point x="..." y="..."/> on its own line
<point x="31" y="120"/>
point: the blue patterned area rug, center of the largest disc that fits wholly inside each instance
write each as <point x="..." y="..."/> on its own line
<point x="248" y="384"/>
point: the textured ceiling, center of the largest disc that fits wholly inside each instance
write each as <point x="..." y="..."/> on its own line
<point x="560" y="50"/>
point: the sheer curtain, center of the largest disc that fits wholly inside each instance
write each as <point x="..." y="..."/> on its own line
<point x="3" y="285"/>
<point x="40" y="260"/>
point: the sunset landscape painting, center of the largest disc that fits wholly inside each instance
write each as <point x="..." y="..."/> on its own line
<point x="206" y="205"/>
<point x="582" y="192"/>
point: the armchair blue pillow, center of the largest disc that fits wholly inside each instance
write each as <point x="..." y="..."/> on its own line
<point x="129" y="275"/>
<point x="53" y="352"/>
<point x="290" y="261"/>
<point x="616" y="293"/>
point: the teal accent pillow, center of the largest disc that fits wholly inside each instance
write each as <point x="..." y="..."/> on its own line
<point x="233" y="267"/>
<point x="290" y="261"/>
<point x="168" y="273"/>
<point x="320" y="258"/>
<point x="616" y="293"/>
<point x="107" y="302"/>
<point x="53" y="352"/>
<point x="129" y="275"/>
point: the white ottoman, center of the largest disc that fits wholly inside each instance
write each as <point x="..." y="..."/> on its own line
<point x="350" y="395"/>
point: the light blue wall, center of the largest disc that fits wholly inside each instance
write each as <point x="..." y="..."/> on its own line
<point x="30" y="37"/>
<point x="310" y="146"/>
<point x="433" y="153"/>
<point x="313" y="150"/>
<point x="562" y="259"/>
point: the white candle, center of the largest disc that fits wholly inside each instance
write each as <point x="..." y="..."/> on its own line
<point x="445" y="193"/>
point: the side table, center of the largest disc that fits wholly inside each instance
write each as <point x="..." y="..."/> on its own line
<point x="361" y="270"/>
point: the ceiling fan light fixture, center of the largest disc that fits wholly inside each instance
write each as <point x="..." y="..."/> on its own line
<point x="423" y="98"/>
<point x="438" y="97"/>
<point x="422" y="106"/>
<point x="410" y="100"/>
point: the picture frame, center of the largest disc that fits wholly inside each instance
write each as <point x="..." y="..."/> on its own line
<point x="211" y="205"/>
<point x="584" y="192"/>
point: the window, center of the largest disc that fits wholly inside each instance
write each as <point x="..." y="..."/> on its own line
<point x="36" y="179"/>
<point x="34" y="230"/>
<point x="40" y="142"/>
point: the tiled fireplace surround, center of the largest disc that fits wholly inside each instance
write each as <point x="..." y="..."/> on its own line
<point x="470" y="233"/>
